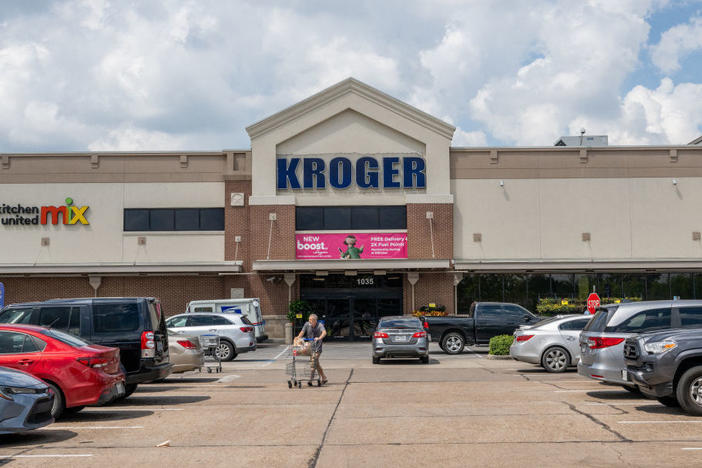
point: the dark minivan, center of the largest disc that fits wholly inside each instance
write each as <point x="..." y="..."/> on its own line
<point x="135" y="325"/>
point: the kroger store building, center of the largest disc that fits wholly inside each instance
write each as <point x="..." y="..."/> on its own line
<point x="357" y="203"/>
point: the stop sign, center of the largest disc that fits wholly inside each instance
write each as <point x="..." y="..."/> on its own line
<point x="593" y="302"/>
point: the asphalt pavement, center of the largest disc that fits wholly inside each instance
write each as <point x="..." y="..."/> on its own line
<point x="463" y="410"/>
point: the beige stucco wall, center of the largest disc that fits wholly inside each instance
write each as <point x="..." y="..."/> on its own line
<point x="353" y="136"/>
<point x="543" y="219"/>
<point x="103" y="241"/>
<point x="350" y="123"/>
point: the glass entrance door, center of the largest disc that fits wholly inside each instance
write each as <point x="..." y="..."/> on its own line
<point x="337" y="319"/>
<point x="350" y="308"/>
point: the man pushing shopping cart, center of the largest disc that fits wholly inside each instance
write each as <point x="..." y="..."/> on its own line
<point x="314" y="330"/>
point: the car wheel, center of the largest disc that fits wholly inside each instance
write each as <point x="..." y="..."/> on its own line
<point x="635" y="389"/>
<point x="73" y="410"/>
<point x="424" y="359"/>
<point x="59" y="405"/>
<point x="376" y="360"/>
<point x="453" y="343"/>
<point x="669" y="401"/>
<point x="224" y="351"/>
<point x="555" y="359"/>
<point x="689" y="391"/>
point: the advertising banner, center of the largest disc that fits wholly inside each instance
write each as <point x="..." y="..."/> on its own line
<point x="351" y="246"/>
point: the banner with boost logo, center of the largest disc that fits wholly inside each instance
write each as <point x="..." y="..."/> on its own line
<point x="352" y="246"/>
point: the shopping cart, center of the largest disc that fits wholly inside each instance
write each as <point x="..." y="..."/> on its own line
<point x="303" y="369"/>
<point x="209" y="345"/>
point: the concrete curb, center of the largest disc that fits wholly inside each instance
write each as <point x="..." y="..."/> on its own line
<point x="499" y="358"/>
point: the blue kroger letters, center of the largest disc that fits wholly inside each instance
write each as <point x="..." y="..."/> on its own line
<point x="405" y="172"/>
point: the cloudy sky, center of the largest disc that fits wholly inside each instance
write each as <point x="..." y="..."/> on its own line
<point x="161" y="75"/>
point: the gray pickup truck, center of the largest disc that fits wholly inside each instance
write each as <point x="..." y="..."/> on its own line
<point x="485" y="320"/>
<point x="667" y="365"/>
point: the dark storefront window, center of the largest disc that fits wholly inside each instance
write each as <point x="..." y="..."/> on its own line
<point x="529" y="288"/>
<point x="681" y="285"/>
<point x="345" y="218"/>
<point x="657" y="287"/>
<point x="173" y="219"/>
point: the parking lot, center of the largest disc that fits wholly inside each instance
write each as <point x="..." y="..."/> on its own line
<point x="463" y="410"/>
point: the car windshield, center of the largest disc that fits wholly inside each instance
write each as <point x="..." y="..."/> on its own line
<point x="65" y="338"/>
<point x="400" y="323"/>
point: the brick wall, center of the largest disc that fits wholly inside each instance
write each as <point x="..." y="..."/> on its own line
<point x="236" y="223"/>
<point x="436" y="288"/>
<point x="419" y="231"/>
<point x="283" y="233"/>
<point x="174" y="291"/>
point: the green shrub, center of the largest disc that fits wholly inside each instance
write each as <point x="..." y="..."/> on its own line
<point x="299" y="307"/>
<point x="549" y="306"/>
<point x="499" y="345"/>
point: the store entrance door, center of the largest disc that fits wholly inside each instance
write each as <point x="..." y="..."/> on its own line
<point x="351" y="312"/>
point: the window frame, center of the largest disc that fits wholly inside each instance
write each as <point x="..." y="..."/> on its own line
<point x="205" y="221"/>
<point x="304" y="218"/>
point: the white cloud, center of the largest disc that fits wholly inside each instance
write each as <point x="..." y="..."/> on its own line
<point x="128" y="138"/>
<point x="168" y="74"/>
<point x="669" y="114"/>
<point x="676" y="43"/>
<point x="464" y="138"/>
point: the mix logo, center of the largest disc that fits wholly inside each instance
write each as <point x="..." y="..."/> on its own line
<point x="71" y="214"/>
<point x="23" y="215"/>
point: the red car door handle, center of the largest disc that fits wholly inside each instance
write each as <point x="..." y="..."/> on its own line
<point x="25" y="362"/>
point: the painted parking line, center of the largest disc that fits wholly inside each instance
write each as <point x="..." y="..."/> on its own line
<point x="691" y="448"/>
<point x="659" y="422"/>
<point x="574" y="391"/>
<point x="628" y="403"/>
<point x="96" y="427"/>
<point x="48" y="455"/>
<point x="131" y="408"/>
<point x="276" y="358"/>
<point x="228" y="378"/>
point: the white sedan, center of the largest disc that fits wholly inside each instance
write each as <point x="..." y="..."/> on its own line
<point x="236" y="332"/>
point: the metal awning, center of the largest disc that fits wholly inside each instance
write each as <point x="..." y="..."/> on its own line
<point x="119" y="268"/>
<point x="623" y="265"/>
<point x="343" y="265"/>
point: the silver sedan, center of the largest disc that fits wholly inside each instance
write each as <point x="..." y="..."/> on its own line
<point x="551" y="343"/>
<point x="25" y="402"/>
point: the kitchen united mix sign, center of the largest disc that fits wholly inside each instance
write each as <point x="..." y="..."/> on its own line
<point x="23" y="215"/>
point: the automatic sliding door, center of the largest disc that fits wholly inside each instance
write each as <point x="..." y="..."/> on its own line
<point x="338" y="319"/>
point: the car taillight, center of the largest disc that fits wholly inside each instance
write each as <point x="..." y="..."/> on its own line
<point x="246" y="329"/>
<point x="187" y="344"/>
<point x="148" y="344"/>
<point x="524" y="337"/>
<point x="419" y="335"/>
<point x="598" y="342"/>
<point x="95" y="362"/>
<point x="426" y="325"/>
<point x="380" y="335"/>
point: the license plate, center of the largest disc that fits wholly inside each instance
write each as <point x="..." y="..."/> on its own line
<point x="401" y="338"/>
<point x="625" y="375"/>
<point x="120" y="388"/>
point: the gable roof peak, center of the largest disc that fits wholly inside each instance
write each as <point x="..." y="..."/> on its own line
<point x="350" y="85"/>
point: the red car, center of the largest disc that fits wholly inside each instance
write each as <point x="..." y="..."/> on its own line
<point x="78" y="372"/>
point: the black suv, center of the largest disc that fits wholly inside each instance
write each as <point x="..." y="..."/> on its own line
<point x="667" y="365"/>
<point x="135" y="325"/>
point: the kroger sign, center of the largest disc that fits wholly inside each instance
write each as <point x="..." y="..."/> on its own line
<point x="368" y="173"/>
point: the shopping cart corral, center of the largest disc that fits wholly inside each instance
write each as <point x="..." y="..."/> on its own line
<point x="209" y="345"/>
<point x="303" y="363"/>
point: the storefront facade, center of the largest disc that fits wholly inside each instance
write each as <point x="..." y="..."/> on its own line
<point x="356" y="203"/>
